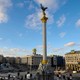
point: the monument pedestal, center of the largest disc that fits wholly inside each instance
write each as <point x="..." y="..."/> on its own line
<point x="45" y="72"/>
<point x="45" y="68"/>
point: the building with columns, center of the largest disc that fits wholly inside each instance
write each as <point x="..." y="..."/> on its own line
<point x="33" y="60"/>
<point x="72" y="60"/>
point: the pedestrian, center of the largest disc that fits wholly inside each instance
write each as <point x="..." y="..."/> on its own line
<point x="13" y="78"/>
<point x="21" y="78"/>
<point x="8" y="76"/>
<point x="1" y="79"/>
<point x="31" y="76"/>
<point x="37" y="76"/>
<point x="70" y="76"/>
<point x="28" y="76"/>
<point x="25" y="76"/>
<point x="59" y="75"/>
<point x="64" y="77"/>
<point x="18" y="74"/>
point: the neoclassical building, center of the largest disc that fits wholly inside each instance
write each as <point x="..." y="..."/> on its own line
<point x="72" y="60"/>
<point x="34" y="60"/>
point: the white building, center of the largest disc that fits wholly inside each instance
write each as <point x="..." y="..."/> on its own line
<point x="34" y="60"/>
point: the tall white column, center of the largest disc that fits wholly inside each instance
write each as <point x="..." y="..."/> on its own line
<point x="44" y="42"/>
<point x="44" y="20"/>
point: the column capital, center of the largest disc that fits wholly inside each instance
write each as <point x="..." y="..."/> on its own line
<point x="44" y="19"/>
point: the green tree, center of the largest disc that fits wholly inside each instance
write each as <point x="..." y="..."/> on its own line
<point x="34" y="51"/>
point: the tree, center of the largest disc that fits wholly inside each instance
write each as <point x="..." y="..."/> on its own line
<point x="34" y="51"/>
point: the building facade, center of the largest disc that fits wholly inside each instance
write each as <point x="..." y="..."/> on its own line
<point x="1" y="59"/>
<point x="33" y="60"/>
<point x="18" y="60"/>
<point x="10" y="60"/>
<point x="57" y="61"/>
<point x="72" y="60"/>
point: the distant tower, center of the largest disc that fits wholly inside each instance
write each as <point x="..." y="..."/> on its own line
<point x="34" y="51"/>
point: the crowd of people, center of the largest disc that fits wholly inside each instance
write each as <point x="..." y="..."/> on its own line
<point x="30" y="76"/>
<point x="27" y="76"/>
<point x="63" y="77"/>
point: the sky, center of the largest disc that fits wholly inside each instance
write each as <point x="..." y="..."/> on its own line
<point x="21" y="26"/>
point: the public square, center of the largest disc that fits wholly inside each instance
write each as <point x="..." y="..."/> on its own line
<point x="39" y="39"/>
<point x="13" y="76"/>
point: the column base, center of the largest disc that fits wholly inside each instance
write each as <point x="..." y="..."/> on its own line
<point x="45" y="68"/>
<point x="45" y="72"/>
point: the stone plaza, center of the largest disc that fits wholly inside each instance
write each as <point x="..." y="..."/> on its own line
<point x="23" y="76"/>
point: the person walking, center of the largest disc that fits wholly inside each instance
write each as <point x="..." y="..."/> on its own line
<point x="64" y="77"/>
<point x="57" y="77"/>
<point x="37" y="76"/>
<point x="21" y="78"/>
<point x="60" y="76"/>
<point x="25" y="76"/>
<point x="28" y="76"/>
<point x="8" y="76"/>
<point x="70" y="76"/>
<point x="31" y="76"/>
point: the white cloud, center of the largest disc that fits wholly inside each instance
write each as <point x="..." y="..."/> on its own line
<point x="78" y="23"/>
<point x="70" y="44"/>
<point x="50" y="3"/>
<point x="33" y="21"/>
<point x="62" y="34"/>
<point x="31" y="6"/>
<point x="14" y="52"/>
<point x="61" y="21"/>
<point x="57" y="49"/>
<point x="4" y="5"/>
<point x="53" y="5"/>
<point x="3" y="17"/>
